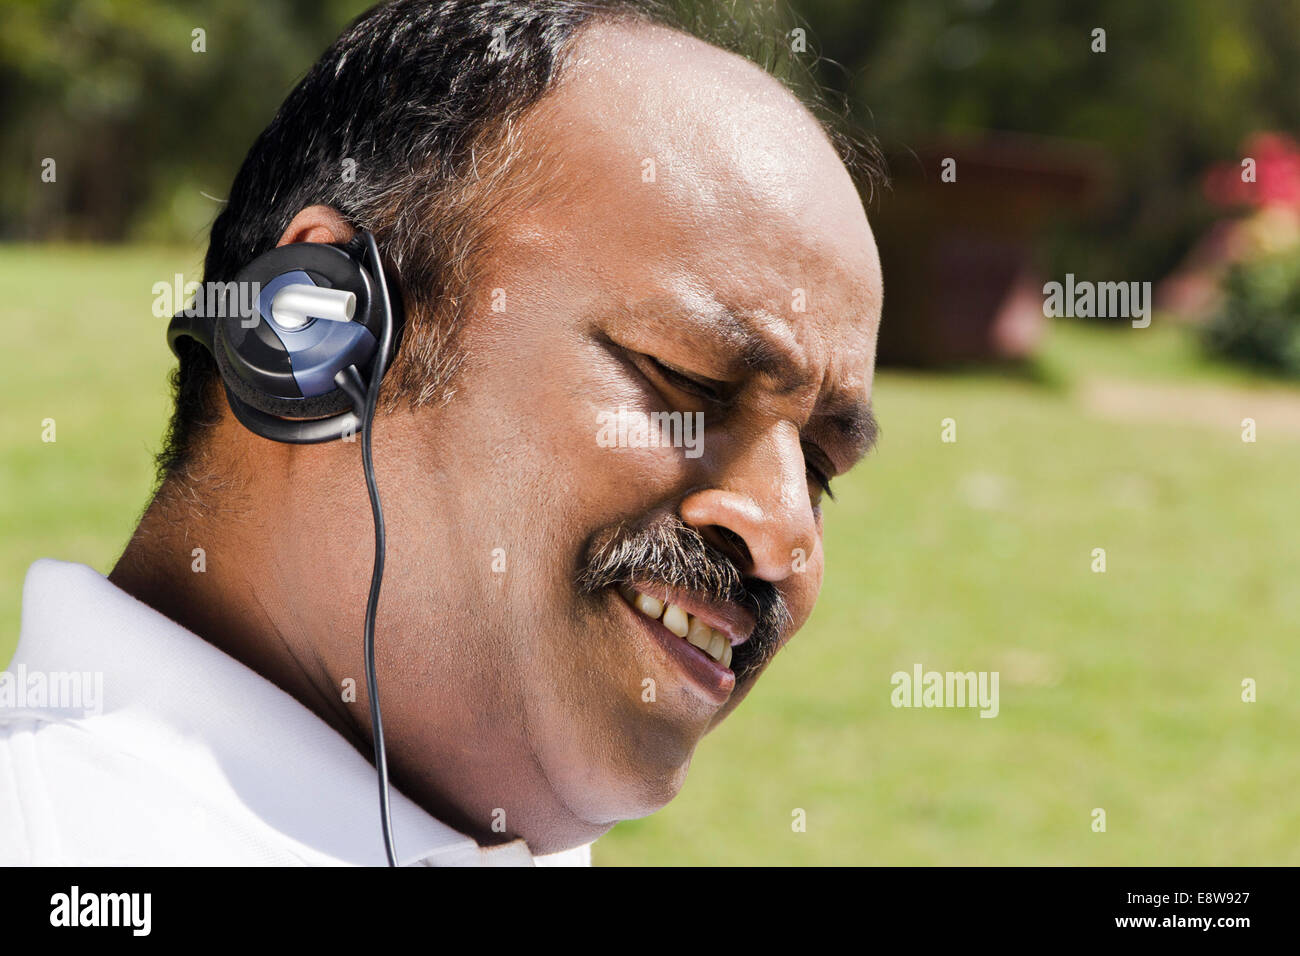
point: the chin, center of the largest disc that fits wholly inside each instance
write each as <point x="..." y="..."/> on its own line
<point x="644" y="790"/>
<point x="602" y="806"/>
<point x="600" y="795"/>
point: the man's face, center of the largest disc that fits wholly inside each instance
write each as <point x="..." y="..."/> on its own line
<point x="701" y="249"/>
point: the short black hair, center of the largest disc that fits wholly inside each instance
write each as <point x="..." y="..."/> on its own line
<point x="402" y="125"/>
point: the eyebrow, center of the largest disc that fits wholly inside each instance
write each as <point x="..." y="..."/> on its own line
<point x="852" y="419"/>
<point x="760" y="353"/>
<point x="856" y="424"/>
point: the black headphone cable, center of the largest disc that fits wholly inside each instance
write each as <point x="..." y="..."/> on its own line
<point x="366" y="398"/>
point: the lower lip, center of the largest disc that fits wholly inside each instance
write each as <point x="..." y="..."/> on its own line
<point x="709" y="675"/>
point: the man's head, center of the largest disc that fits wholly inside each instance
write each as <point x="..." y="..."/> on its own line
<point x="589" y="214"/>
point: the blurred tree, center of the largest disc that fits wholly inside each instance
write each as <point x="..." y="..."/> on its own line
<point x="140" y="124"/>
<point x="138" y="120"/>
<point x="1181" y="84"/>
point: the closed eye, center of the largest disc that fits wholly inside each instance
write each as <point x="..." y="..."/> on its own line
<point x="820" y="477"/>
<point x="720" y="393"/>
<point x="699" y="386"/>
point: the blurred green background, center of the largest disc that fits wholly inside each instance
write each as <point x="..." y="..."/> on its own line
<point x="1119" y="690"/>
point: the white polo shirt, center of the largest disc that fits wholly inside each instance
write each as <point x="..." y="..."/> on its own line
<point x="125" y="739"/>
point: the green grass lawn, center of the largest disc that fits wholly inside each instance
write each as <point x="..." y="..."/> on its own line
<point x="1119" y="690"/>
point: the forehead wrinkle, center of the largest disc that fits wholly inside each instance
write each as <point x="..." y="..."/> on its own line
<point x="760" y="351"/>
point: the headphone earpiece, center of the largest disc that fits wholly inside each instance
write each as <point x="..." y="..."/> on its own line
<point x="295" y="320"/>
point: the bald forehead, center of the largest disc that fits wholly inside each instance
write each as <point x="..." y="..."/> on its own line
<point x="718" y="129"/>
<point x="660" y="70"/>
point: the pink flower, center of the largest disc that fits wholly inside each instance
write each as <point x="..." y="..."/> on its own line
<point x="1277" y="175"/>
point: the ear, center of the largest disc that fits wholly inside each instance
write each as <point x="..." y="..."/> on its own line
<point x="318" y="224"/>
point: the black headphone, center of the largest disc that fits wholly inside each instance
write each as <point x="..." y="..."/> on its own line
<point x="294" y="334"/>
<point x="302" y="339"/>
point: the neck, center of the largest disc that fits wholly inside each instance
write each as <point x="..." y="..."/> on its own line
<point x="177" y="562"/>
<point x="208" y="559"/>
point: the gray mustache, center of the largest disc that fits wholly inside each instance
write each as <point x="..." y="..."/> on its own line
<point x="671" y="552"/>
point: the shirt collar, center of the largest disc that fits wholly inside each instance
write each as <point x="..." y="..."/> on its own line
<point x="168" y="695"/>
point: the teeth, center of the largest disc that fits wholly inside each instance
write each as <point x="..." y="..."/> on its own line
<point x="714" y="643"/>
<point x="716" y="646"/>
<point x="649" y="606"/>
<point x="700" y="634"/>
<point x="675" y="619"/>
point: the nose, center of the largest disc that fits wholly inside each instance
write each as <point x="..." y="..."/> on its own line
<point x="757" y="512"/>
